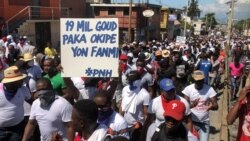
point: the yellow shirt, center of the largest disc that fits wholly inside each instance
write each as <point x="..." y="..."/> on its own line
<point x="50" y="52"/>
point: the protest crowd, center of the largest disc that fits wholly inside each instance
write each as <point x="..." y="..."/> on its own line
<point x="164" y="92"/>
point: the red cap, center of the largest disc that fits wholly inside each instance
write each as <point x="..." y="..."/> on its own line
<point x="175" y="109"/>
<point x="123" y="57"/>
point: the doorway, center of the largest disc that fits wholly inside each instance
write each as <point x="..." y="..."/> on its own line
<point x="43" y="35"/>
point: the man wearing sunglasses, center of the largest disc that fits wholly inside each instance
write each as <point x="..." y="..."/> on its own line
<point x="106" y="115"/>
<point x="51" y="112"/>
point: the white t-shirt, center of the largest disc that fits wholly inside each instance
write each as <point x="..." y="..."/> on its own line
<point x="12" y="112"/>
<point x="99" y="134"/>
<point x="156" y="108"/>
<point x="32" y="88"/>
<point x="117" y="123"/>
<point x="142" y="99"/>
<point x="199" y="113"/>
<point x="53" y="119"/>
<point x="79" y="84"/>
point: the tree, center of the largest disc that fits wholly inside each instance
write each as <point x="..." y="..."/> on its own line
<point x="210" y="21"/>
<point x="193" y="9"/>
<point x="242" y="25"/>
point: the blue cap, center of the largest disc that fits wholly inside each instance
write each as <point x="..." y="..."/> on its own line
<point x="166" y="84"/>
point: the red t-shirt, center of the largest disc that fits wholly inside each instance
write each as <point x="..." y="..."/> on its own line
<point x="244" y="123"/>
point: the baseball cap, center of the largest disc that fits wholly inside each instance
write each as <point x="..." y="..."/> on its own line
<point x="175" y="109"/>
<point x="166" y="84"/>
<point x="123" y="57"/>
<point x="130" y="55"/>
<point x="198" y="75"/>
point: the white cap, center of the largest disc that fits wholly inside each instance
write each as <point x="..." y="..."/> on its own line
<point x="130" y="54"/>
<point x="212" y="49"/>
<point x="9" y="37"/>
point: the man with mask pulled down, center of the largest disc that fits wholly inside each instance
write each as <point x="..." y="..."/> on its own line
<point x="12" y="97"/>
<point x="51" y="112"/>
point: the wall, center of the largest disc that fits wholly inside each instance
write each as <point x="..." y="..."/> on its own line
<point x="28" y="29"/>
<point x="55" y="33"/>
<point x="1" y="8"/>
<point x="10" y="10"/>
<point x="77" y="7"/>
<point x="123" y="20"/>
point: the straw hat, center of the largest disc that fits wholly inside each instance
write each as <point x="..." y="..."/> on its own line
<point x="198" y="75"/>
<point x="147" y="56"/>
<point x="12" y="74"/>
<point x="165" y="53"/>
<point x="27" y="57"/>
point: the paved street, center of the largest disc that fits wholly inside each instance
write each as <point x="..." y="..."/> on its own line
<point x="215" y="121"/>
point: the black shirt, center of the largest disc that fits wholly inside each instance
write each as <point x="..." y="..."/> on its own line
<point x="179" y="135"/>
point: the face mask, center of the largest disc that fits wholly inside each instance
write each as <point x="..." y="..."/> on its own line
<point x="103" y="115"/>
<point x="9" y="94"/>
<point x="140" y="69"/>
<point x="135" y="85"/>
<point x="47" y="97"/>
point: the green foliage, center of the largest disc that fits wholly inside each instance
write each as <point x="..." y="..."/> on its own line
<point x="183" y="25"/>
<point x="209" y="20"/>
<point x="242" y="24"/>
<point x="193" y="9"/>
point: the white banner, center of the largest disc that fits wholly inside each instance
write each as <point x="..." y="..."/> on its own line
<point x="181" y="39"/>
<point x="89" y="47"/>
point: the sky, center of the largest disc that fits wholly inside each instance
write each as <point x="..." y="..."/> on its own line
<point x="242" y="7"/>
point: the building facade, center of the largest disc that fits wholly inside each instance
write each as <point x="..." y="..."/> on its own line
<point x="38" y="19"/>
<point x="142" y="28"/>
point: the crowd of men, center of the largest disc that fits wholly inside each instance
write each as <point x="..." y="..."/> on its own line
<point x="164" y="93"/>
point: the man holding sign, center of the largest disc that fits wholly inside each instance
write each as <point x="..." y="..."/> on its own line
<point x="88" y="44"/>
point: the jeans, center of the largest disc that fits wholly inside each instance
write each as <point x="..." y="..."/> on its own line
<point x="203" y="130"/>
<point x="13" y="133"/>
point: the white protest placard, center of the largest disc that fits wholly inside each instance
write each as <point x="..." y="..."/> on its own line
<point x="89" y="47"/>
<point x="181" y="39"/>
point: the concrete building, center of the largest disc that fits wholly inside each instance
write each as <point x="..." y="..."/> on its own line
<point x="39" y="19"/>
<point x="140" y="25"/>
<point x="197" y="27"/>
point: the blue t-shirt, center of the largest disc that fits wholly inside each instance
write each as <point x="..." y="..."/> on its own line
<point x="206" y="67"/>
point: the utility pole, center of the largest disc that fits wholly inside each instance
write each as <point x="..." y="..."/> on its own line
<point x="230" y="22"/>
<point x="229" y="32"/>
<point x="185" y="25"/>
<point x="130" y="16"/>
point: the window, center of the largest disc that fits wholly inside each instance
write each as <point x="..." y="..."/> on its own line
<point x="126" y="11"/>
<point x="111" y="11"/>
<point x="97" y="12"/>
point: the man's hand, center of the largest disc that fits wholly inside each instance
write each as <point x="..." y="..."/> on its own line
<point x="56" y="137"/>
<point x="243" y="93"/>
<point x="209" y="105"/>
<point x="194" y="103"/>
